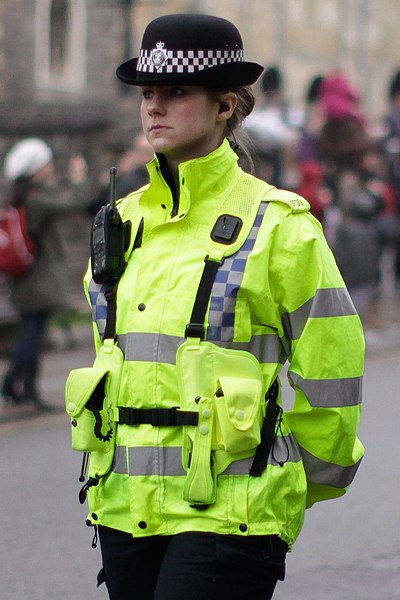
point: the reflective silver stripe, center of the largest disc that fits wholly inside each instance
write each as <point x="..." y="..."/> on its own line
<point x="285" y="450"/>
<point x="325" y="473"/>
<point x="156" y="347"/>
<point x="148" y="460"/>
<point x="167" y="460"/>
<point x="151" y="347"/>
<point x="329" y="393"/>
<point x="267" y="348"/>
<point x="120" y="462"/>
<point x="329" y="302"/>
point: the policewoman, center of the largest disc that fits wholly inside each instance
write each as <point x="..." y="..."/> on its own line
<point x="198" y="481"/>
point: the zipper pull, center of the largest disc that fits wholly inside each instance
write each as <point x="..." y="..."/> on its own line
<point x="95" y="537"/>
<point x="95" y="534"/>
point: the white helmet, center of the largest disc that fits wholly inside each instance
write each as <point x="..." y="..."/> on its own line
<point x="26" y="158"/>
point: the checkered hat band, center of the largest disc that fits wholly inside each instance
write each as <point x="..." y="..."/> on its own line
<point x="185" y="61"/>
<point x="221" y="317"/>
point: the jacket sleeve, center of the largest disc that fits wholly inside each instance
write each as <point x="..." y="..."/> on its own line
<point x="323" y="338"/>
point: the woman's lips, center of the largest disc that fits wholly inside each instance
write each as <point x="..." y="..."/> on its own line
<point x="158" y="127"/>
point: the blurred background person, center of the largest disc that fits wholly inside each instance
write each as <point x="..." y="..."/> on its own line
<point x="357" y="246"/>
<point x="312" y="121"/>
<point x="344" y="125"/>
<point x="43" y="290"/>
<point x="312" y="186"/>
<point x="391" y="228"/>
<point x="272" y="132"/>
<point x="353" y="170"/>
<point x="131" y="172"/>
<point x="311" y="175"/>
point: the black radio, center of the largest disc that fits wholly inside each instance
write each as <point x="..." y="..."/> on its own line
<point x="109" y="239"/>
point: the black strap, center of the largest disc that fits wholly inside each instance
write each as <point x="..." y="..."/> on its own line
<point x="159" y="417"/>
<point x="196" y="326"/>
<point x="267" y="432"/>
<point x="110" y="291"/>
<point x="110" y="294"/>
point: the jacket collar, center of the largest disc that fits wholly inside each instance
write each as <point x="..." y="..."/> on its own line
<point x="201" y="181"/>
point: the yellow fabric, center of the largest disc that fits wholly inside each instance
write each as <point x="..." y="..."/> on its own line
<point x="289" y="277"/>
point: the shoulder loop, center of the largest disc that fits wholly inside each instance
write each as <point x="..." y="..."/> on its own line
<point x="296" y="203"/>
<point x="243" y="203"/>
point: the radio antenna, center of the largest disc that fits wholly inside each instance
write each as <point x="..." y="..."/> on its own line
<point x="113" y="187"/>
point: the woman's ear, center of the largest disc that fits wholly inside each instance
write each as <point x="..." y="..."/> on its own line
<point x="227" y="105"/>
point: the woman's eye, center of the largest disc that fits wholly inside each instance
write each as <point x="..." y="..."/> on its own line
<point x="147" y="94"/>
<point x="177" y="92"/>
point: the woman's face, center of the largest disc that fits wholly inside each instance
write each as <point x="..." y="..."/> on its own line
<point x="183" y="122"/>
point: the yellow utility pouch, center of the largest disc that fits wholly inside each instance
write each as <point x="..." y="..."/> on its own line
<point x="234" y="381"/>
<point x="91" y="395"/>
<point x="226" y="388"/>
<point x="81" y="386"/>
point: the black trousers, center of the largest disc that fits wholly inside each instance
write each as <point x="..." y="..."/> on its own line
<point x="190" y="566"/>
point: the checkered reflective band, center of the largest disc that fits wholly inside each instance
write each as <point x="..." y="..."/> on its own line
<point x="99" y="305"/>
<point x="221" y="317"/>
<point x="161" y="60"/>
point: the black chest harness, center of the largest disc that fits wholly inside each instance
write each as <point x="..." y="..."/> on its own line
<point x="225" y="231"/>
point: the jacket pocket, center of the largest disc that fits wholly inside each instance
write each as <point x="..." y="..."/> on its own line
<point x="84" y="399"/>
<point x="91" y="400"/>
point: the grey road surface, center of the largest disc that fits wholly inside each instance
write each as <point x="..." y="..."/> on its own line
<point x="349" y="548"/>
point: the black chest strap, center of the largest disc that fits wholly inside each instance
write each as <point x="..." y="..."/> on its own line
<point x="196" y="327"/>
<point x="268" y="430"/>
<point x="173" y="417"/>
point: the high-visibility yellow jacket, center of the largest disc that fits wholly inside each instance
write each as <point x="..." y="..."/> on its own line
<point x="279" y="297"/>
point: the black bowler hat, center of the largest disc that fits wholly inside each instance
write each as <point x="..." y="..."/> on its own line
<point x="190" y="49"/>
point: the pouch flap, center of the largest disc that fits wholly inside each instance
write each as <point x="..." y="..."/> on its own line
<point x="79" y="387"/>
<point x="194" y="362"/>
<point x="236" y="363"/>
<point x="242" y="400"/>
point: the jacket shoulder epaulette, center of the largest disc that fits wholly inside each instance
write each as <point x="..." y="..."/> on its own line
<point x="296" y="203"/>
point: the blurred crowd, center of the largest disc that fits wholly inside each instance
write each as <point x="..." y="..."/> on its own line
<point x="346" y="165"/>
<point x="43" y="199"/>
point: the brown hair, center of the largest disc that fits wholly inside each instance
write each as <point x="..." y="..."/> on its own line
<point x="245" y="105"/>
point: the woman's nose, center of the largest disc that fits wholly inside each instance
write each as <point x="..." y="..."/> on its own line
<point x="155" y="105"/>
